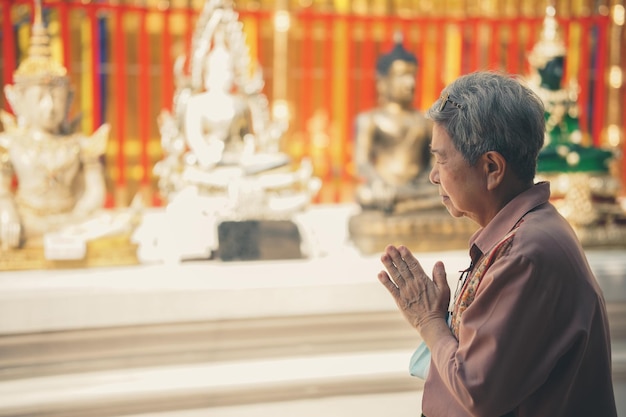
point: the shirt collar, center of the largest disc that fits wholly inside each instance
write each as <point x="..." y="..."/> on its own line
<point x="485" y="238"/>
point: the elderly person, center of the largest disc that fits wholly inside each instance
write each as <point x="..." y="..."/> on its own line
<point x="528" y="334"/>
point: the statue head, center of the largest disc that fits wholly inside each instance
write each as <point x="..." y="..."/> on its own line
<point x="41" y="94"/>
<point x="547" y="57"/>
<point x="219" y="66"/>
<point x="395" y="73"/>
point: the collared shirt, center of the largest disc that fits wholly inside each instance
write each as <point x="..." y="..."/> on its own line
<point x="535" y="340"/>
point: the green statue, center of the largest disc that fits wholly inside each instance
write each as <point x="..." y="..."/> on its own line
<point x="564" y="149"/>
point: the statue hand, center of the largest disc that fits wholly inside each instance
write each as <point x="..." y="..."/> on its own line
<point x="212" y="154"/>
<point x="10" y="226"/>
<point x="384" y="194"/>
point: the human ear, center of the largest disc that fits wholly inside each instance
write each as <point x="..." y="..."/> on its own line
<point x="495" y="168"/>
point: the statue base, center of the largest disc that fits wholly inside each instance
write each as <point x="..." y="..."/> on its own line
<point x="251" y="240"/>
<point x="429" y="231"/>
<point x="602" y="236"/>
<point x="101" y="252"/>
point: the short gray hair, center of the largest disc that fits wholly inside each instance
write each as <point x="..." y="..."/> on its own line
<point x="490" y="111"/>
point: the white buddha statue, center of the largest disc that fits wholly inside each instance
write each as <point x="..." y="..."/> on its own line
<point x="229" y="167"/>
<point x="59" y="174"/>
<point x="218" y="122"/>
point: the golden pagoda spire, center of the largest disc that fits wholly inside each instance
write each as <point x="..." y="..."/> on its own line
<point x="38" y="66"/>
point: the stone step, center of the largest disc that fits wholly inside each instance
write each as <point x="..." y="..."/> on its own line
<point x="370" y="405"/>
<point x="207" y="386"/>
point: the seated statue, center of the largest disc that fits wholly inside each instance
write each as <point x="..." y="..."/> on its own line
<point x="392" y="155"/>
<point x="583" y="187"/>
<point x="50" y="177"/>
<point x="218" y="121"/>
<point x="221" y="148"/>
<point x="564" y="150"/>
<point x="399" y="204"/>
<point x="220" y="138"/>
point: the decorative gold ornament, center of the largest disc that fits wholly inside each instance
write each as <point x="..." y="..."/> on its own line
<point x="550" y="44"/>
<point x="39" y="67"/>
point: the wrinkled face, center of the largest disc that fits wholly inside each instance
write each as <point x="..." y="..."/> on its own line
<point x="401" y="84"/>
<point x="44" y="106"/>
<point x="460" y="184"/>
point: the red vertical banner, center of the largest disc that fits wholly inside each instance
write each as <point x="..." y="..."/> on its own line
<point x="427" y="71"/>
<point x="345" y="154"/>
<point x="599" y="98"/>
<point x="388" y="29"/>
<point x="166" y="63"/>
<point x="119" y="65"/>
<point x="583" y="76"/>
<point x="92" y="13"/>
<point x="565" y="28"/>
<point x="476" y="51"/>
<point x="328" y="64"/>
<point x="494" y="45"/>
<point x="64" y="23"/>
<point x="421" y="63"/>
<point x="462" y="46"/>
<point x="144" y="95"/>
<point x="440" y="58"/>
<point x="513" y="47"/>
<point x="189" y="36"/>
<point x="368" y="68"/>
<point x="405" y="29"/>
<point x="259" y="38"/>
<point x="307" y="54"/>
<point x="528" y="45"/>
<point x="8" y="46"/>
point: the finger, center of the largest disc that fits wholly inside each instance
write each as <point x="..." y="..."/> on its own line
<point x="411" y="263"/>
<point x="384" y="278"/>
<point x="391" y="266"/>
<point x="399" y="261"/>
<point x="440" y="280"/>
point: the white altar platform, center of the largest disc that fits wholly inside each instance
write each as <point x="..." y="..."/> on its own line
<point x="334" y="278"/>
<point x="222" y="338"/>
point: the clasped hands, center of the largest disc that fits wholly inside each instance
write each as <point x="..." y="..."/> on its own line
<point x="423" y="301"/>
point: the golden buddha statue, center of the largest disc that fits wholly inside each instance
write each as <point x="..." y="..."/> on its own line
<point x="52" y="181"/>
<point x="60" y="178"/>
<point x="583" y="187"/>
<point x="398" y="202"/>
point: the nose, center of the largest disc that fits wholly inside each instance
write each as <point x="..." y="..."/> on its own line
<point x="434" y="174"/>
<point x="46" y="102"/>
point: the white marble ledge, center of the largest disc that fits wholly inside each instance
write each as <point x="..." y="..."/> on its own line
<point x="336" y="280"/>
<point x="345" y="282"/>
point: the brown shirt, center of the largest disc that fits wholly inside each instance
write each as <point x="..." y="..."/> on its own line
<point x="534" y="342"/>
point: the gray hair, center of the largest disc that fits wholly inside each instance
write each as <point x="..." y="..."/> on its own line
<point x="489" y="111"/>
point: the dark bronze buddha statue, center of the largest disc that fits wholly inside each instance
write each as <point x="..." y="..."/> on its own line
<point x="398" y="202"/>
<point x="392" y="141"/>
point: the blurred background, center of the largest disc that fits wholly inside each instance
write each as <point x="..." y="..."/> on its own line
<point x="318" y="60"/>
<point x="311" y="337"/>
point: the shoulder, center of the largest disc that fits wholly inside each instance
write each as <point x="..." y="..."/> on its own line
<point x="367" y="119"/>
<point x="545" y="238"/>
